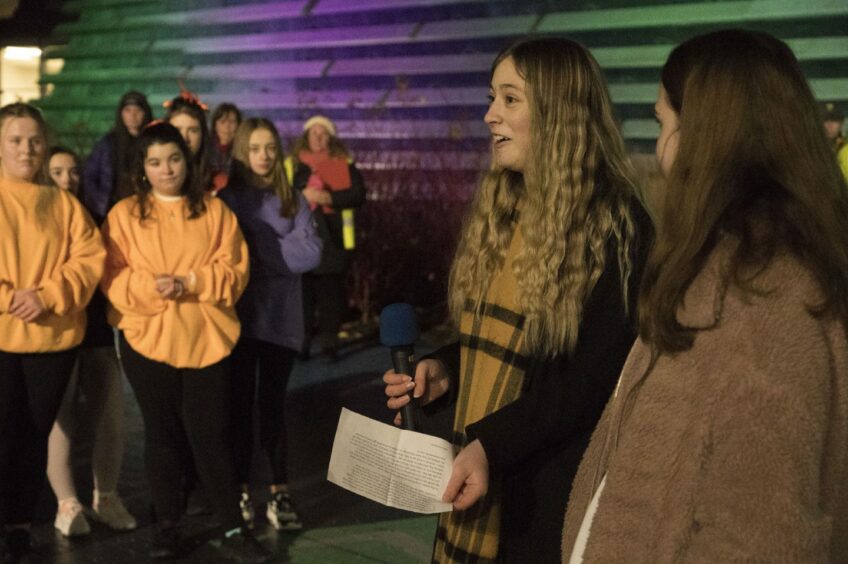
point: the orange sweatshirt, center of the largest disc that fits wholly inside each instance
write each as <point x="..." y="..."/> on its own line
<point x="199" y="328"/>
<point x="61" y="257"/>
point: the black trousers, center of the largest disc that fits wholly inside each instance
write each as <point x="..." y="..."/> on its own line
<point x="272" y="365"/>
<point x="31" y="389"/>
<point x="185" y="408"/>
<point x="324" y="304"/>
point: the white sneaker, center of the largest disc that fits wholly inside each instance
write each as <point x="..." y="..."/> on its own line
<point x="248" y="514"/>
<point x="110" y="510"/>
<point x="282" y="514"/>
<point x="70" y="519"/>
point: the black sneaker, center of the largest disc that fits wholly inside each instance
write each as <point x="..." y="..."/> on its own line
<point x="19" y="547"/>
<point x="282" y="514"/>
<point x="242" y="547"/>
<point x="167" y="544"/>
<point x="197" y="503"/>
<point x="305" y="351"/>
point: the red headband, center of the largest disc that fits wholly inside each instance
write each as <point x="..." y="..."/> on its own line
<point x="190" y="98"/>
<point x="154" y="122"/>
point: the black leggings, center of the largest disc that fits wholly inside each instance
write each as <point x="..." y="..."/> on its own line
<point x="31" y="389"/>
<point x="274" y="363"/>
<point x="178" y="404"/>
<point x="324" y="304"/>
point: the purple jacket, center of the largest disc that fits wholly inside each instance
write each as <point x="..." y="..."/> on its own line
<point x="281" y="248"/>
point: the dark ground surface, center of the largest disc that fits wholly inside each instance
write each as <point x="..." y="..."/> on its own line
<point x="338" y="526"/>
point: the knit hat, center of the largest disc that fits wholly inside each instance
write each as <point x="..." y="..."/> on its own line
<point x="133" y="98"/>
<point x="320" y="120"/>
<point x="830" y="112"/>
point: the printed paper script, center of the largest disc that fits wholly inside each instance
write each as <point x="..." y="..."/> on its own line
<point x="392" y="466"/>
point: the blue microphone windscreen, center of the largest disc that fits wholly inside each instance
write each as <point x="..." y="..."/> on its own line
<point x="398" y="325"/>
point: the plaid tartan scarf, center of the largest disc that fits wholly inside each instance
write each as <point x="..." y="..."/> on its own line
<point x="492" y="367"/>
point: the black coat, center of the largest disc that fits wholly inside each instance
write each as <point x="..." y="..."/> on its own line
<point x="334" y="258"/>
<point x="534" y="444"/>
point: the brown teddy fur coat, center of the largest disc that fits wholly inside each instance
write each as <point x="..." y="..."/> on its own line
<point x="733" y="451"/>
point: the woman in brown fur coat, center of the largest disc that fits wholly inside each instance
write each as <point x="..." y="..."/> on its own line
<point x="727" y="437"/>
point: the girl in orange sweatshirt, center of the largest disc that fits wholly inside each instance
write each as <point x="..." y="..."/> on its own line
<point x="176" y="265"/>
<point x="51" y="258"/>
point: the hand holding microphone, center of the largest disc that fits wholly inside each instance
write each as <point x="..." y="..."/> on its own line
<point x="430" y="383"/>
<point x="399" y="331"/>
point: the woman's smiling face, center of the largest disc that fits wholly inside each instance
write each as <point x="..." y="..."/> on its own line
<point x="508" y="117"/>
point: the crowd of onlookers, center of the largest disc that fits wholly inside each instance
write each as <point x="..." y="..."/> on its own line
<point x="213" y="253"/>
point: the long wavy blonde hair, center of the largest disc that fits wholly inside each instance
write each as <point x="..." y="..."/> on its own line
<point x="575" y="193"/>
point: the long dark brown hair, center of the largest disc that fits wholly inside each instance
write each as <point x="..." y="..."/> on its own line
<point x="241" y="176"/>
<point x="62" y="150"/>
<point x="221" y="111"/>
<point x="203" y="159"/>
<point x="123" y="140"/>
<point x="161" y="133"/>
<point x="752" y="163"/>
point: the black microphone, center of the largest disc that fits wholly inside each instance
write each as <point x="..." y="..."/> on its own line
<point x="399" y="331"/>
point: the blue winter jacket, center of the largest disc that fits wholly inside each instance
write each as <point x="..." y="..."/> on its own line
<point x="99" y="178"/>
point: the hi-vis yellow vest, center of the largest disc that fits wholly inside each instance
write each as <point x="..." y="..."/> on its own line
<point x="348" y="228"/>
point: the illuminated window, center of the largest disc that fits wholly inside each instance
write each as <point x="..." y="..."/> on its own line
<point x="19" y="74"/>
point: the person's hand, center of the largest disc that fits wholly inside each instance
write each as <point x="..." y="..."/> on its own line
<point x="317" y="196"/>
<point x="26" y="305"/>
<point x="469" y="479"/>
<point x="431" y="382"/>
<point x="170" y="287"/>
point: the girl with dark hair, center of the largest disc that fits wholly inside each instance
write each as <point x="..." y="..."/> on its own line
<point x="188" y="114"/>
<point x="52" y="258"/>
<point x="225" y="120"/>
<point x="283" y="244"/>
<point x="65" y="170"/>
<point x="98" y="375"/>
<point x="176" y="265"/>
<point x="727" y="438"/>
<point x="322" y="168"/>
<point x="107" y="166"/>
<point x="542" y="289"/>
